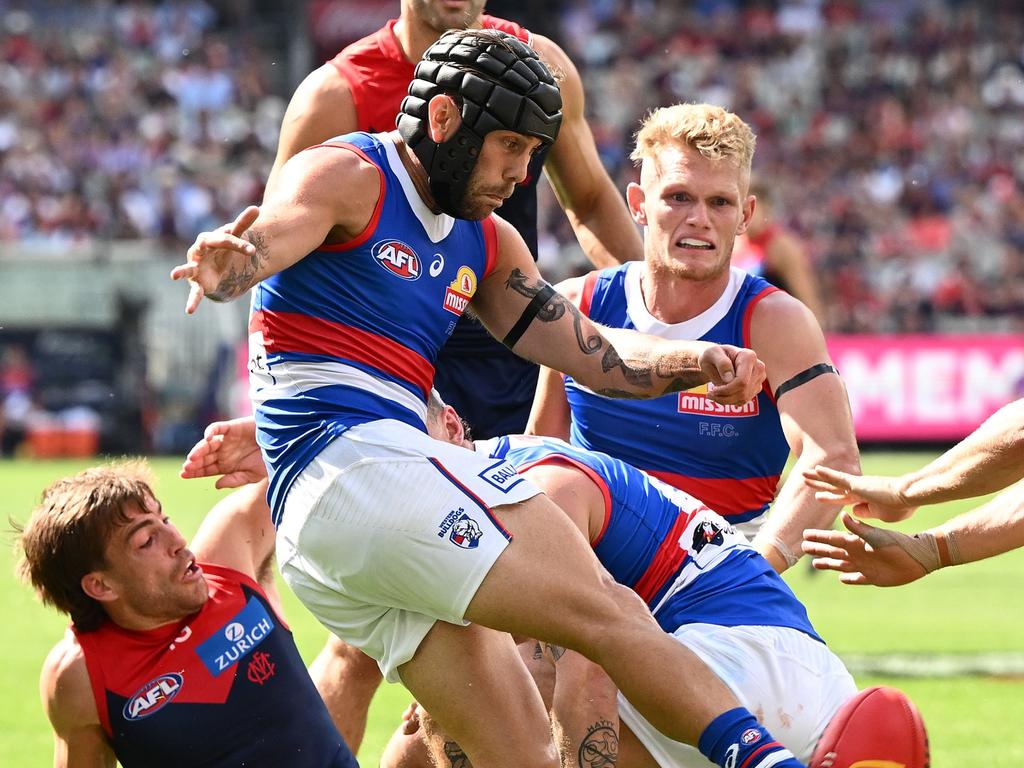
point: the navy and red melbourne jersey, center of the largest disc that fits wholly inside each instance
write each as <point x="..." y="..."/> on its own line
<point x="686" y="562"/>
<point x="224" y="687"/>
<point x="487" y="384"/>
<point x="729" y="457"/>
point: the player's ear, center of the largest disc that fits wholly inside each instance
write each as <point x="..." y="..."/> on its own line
<point x="98" y="586"/>
<point x="748" y="213"/>
<point x="636" y="201"/>
<point x="443" y="117"/>
<point x="453" y="425"/>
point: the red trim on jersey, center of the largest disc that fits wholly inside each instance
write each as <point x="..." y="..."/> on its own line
<point x="666" y="560"/>
<point x="490" y="230"/>
<point x="725" y="495"/>
<point x="303" y="334"/>
<point x="371" y="225"/>
<point x="748" y="314"/>
<point x="476" y="499"/>
<point x="750" y="758"/>
<point x="589" y="472"/>
<point x="589" y="283"/>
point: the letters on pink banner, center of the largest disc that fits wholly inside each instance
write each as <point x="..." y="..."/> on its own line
<point x="927" y="387"/>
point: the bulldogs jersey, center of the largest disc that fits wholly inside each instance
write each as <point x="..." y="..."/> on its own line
<point x="730" y="457"/>
<point x="484" y="381"/>
<point x="686" y="562"/>
<point x="224" y="687"/>
<point x="350" y="333"/>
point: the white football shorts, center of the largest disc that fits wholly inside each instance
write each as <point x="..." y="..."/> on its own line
<point x="792" y="684"/>
<point x="387" y="531"/>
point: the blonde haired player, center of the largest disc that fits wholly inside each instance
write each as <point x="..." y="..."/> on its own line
<point x="692" y="201"/>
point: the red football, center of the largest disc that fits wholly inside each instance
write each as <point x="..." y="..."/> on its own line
<point x="878" y="728"/>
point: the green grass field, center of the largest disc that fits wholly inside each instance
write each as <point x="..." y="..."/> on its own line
<point x="961" y="612"/>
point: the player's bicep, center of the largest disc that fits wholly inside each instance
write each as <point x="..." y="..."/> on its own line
<point x="309" y="206"/>
<point x="320" y="109"/>
<point x="78" y="737"/>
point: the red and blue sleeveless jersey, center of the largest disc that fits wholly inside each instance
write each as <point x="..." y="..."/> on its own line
<point x="730" y="457"/>
<point x="485" y="382"/>
<point x="350" y="333"/>
<point x="687" y="563"/>
<point x="224" y="687"/>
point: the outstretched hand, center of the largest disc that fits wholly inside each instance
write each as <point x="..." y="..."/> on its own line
<point x="866" y="555"/>
<point x="229" y="449"/>
<point x="735" y="374"/>
<point x="872" y="496"/>
<point x="211" y="256"/>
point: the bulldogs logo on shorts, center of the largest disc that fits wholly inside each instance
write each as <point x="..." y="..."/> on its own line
<point x="706" y="533"/>
<point x="466" y="533"/>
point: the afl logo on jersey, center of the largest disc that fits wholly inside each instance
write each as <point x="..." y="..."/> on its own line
<point x="153" y="696"/>
<point x="460" y="291"/>
<point x="397" y="258"/>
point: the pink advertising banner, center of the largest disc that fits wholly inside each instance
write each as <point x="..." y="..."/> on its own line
<point x="927" y="387"/>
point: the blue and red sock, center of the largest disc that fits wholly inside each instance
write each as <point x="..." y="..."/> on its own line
<point x="735" y="739"/>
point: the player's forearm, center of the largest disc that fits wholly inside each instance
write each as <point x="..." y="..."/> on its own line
<point x="606" y="233"/>
<point x="796" y="508"/>
<point x="989" y="530"/>
<point x="239" y="272"/>
<point x="987" y="460"/>
<point x="636" y="366"/>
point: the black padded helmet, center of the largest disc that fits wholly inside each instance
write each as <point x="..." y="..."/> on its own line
<point x="499" y="83"/>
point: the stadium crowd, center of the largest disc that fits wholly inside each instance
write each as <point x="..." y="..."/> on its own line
<point x="888" y="131"/>
<point x="131" y="120"/>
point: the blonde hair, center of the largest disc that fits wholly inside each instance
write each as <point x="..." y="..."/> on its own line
<point x="67" y="535"/>
<point x="714" y="132"/>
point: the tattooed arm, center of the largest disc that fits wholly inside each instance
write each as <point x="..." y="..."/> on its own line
<point x="517" y="306"/>
<point x="307" y="207"/>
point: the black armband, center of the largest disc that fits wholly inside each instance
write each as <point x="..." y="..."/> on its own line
<point x="803" y="377"/>
<point x="535" y="305"/>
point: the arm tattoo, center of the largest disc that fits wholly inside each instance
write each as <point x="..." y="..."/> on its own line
<point x="600" y="746"/>
<point x="238" y="281"/>
<point x="456" y="757"/>
<point x="555" y="309"/>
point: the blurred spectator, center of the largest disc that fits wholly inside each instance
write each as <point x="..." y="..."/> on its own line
<point x="16" y="401"/>
<point x="128" y="120"/>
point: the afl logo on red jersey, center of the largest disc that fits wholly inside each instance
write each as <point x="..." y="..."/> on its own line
<point x="153" y="696"/>
<point x="397" y="258"/>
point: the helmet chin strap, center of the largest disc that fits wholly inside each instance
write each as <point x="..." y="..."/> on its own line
<point x="498" y="82"/>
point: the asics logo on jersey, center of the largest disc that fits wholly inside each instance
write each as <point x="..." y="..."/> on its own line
<point x="153" y="696"/>
<point x="692" y="402"/>
<point x="397" y="258"/>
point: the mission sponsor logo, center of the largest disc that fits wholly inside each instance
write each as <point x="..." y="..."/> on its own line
<point x="153" y="696"/>
<point x="236" y="639"/>
<point x="696" y="401"/>
<point x="397" y="258"/>
<point x="460" y="291"/>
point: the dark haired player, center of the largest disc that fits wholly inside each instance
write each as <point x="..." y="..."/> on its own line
<point x="361" y="89"/>
<point x="174" y="656"/>
<point x="364" y="271"/>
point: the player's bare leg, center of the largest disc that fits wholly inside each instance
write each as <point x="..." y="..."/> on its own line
<point x="548" y="584"/>
<point x="473" y="682"/>
<point x="347" y="679"/>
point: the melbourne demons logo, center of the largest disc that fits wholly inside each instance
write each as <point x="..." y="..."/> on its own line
<point x="153" y="696"/>
<point x="466" y="533"/>
<point x="397" y="258"/>
<point x="696" y="401"/>
<point x="461" y="290"/>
